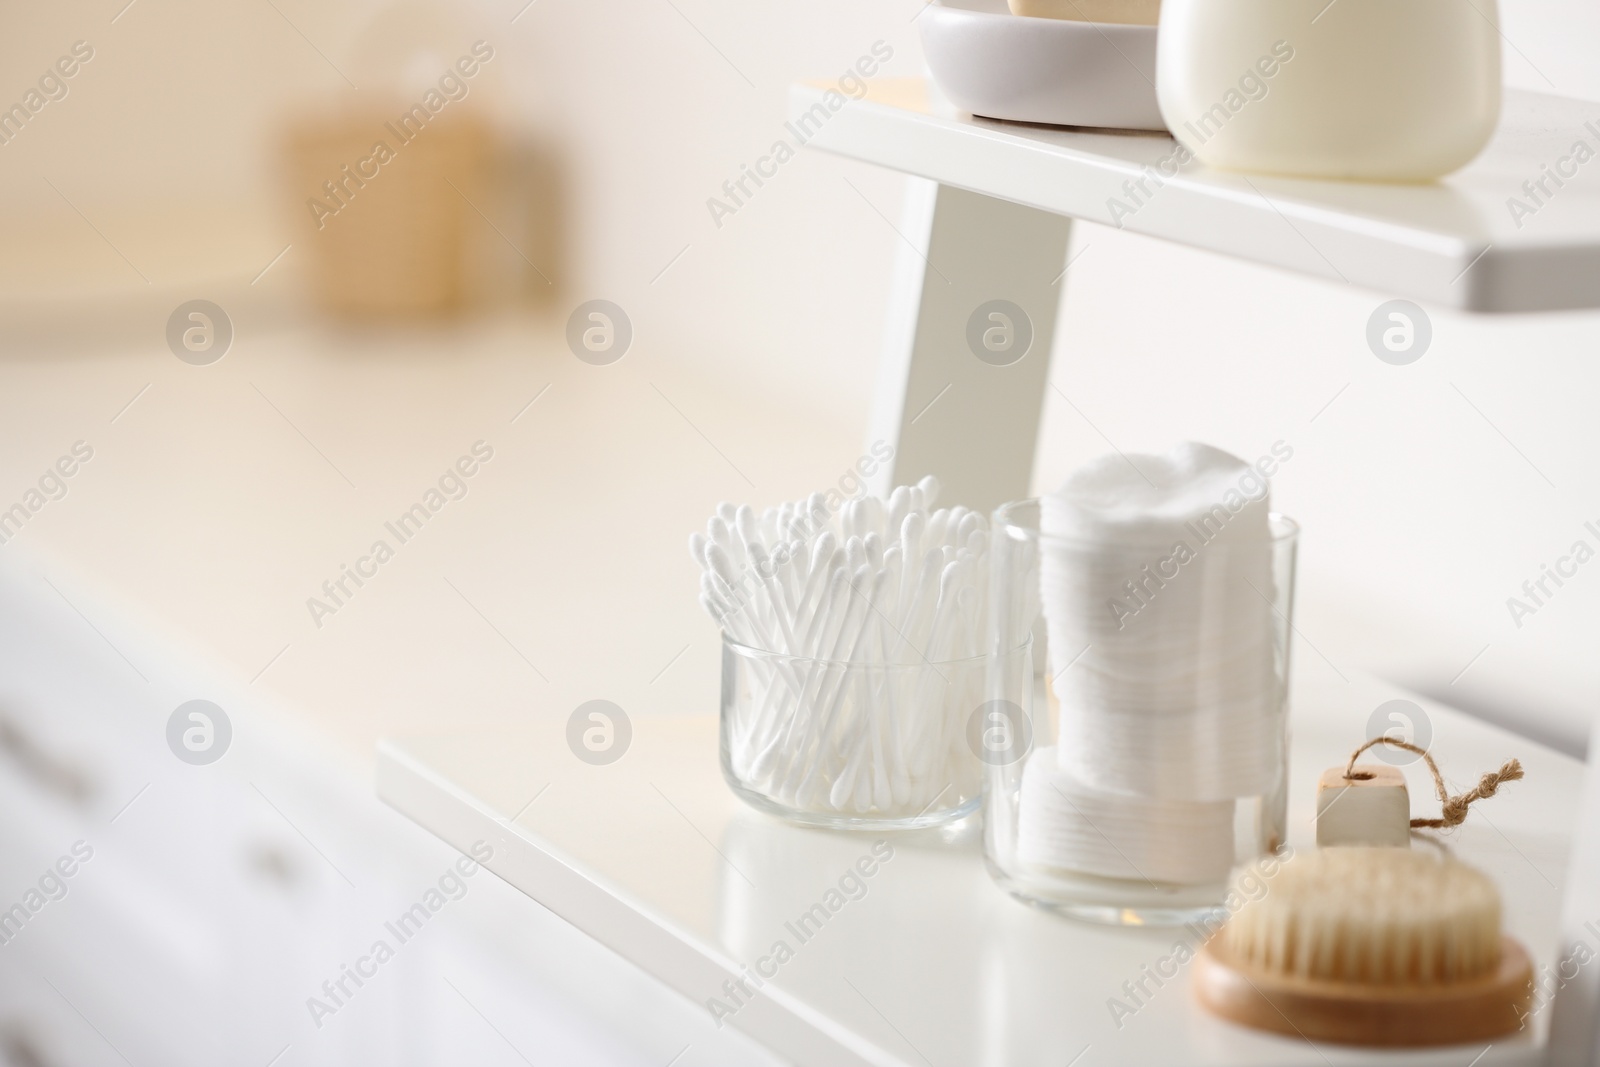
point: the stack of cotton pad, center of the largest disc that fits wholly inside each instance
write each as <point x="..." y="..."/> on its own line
<point x="1118" y="836"/>
<point x="1156" y="586"/>
<point x="1156" y="577"/>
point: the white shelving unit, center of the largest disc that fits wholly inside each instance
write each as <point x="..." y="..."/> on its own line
<point x="934" y="964"/>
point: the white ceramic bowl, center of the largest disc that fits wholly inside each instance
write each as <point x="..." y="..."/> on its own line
<point x="1004" y="66"/>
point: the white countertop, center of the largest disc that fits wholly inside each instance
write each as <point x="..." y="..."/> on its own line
<point x="217" y="503"/>
<point x="177" y="566"/>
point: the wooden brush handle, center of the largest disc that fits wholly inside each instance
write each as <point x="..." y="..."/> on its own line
<point x="1354" y="1014"/>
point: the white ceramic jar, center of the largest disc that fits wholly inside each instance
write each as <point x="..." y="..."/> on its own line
<point x="1385" y="90"/>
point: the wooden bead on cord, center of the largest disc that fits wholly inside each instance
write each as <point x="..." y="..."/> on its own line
<point x="1368" y="804"/>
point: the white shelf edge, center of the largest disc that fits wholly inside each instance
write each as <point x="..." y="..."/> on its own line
<point x="1272" y="221"/>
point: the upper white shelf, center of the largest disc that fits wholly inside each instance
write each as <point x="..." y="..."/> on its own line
<point x="1456" y="242"/>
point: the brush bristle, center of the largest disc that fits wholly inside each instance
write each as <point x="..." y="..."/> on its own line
<point x="1374" y="916"/>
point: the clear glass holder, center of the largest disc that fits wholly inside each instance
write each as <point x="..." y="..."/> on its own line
<point x="851" y="745"/>
<point x="1028" y="722"/>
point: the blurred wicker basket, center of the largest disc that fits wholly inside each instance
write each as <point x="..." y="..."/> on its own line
<point x="390" y="214"/>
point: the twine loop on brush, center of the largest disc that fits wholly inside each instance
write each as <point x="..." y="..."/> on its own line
<point x="1455" y="807"/>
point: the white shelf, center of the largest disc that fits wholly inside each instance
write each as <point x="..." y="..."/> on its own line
<point x="1452" y="243"/>
<point x="935" y="966"/>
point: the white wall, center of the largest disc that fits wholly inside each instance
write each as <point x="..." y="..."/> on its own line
<point x="1421" y="517"/>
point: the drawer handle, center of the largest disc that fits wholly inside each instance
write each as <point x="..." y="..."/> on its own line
<point x="56" y="776"/>
<point x="22" y="1051"/>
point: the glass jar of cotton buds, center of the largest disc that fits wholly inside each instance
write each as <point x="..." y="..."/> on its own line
<point x="1141" y="753"/>
<point x="852" y="656"/>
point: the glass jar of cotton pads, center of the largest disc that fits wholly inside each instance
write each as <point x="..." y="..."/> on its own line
<point x="1142" y="756"/>
<point x="1349" y="89"/>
